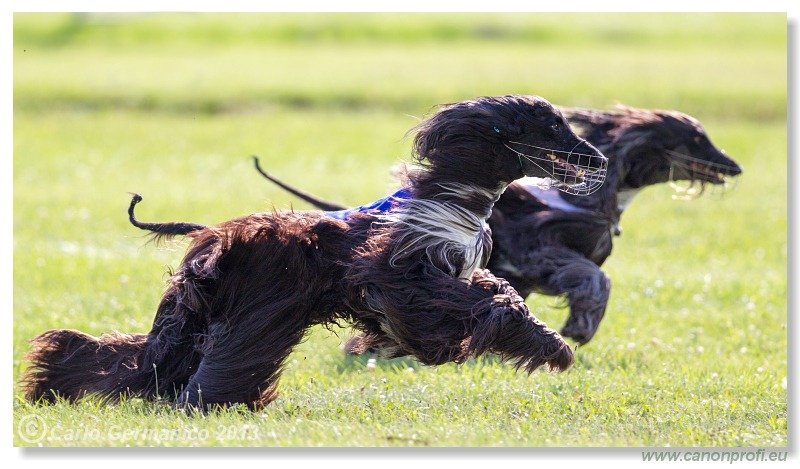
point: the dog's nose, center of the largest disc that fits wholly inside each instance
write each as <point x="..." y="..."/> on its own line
<point x="727" y="165"/>
<point x="734" y="170"/>
<point x="597" y="159"/>
<point x="581" y="339"/>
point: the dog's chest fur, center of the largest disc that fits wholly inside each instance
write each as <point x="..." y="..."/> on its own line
<point x="454" y="239"/>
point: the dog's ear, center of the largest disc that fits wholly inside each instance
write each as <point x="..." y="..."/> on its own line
<point x="442" y="129"/>
<point x="483" y="120"/>
<point x="427" y="136"/>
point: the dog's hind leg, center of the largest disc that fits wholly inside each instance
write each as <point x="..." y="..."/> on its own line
<point x="243" y="359"/>
<point x="560" y="271"/>
<point x="269" y="281"/>
<point x="71" y="364"/>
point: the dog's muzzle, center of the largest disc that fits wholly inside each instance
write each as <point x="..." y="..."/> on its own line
<point x="569" y="171"/>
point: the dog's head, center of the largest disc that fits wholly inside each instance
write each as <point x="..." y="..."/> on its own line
<point x="492" y="141"/>
<point x="669" y="146"/>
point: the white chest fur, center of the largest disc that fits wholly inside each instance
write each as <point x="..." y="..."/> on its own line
<point x="452" y="237"/>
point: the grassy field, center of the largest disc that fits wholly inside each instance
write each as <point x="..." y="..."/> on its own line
<point x="693" y="349"/>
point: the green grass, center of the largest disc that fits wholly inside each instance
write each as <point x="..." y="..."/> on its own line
<point x="693" y="349"/>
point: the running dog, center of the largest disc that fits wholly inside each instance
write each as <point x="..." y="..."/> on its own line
<point x="410" y="277"/>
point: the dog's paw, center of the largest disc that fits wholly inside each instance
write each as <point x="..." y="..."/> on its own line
<point x="580" y="329"/>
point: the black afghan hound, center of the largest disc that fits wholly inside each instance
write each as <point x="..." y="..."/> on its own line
<point x="550" y="242"/>
<point x="409" y="277"/>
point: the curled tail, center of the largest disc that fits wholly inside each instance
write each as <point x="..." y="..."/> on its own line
<point x="312" y="199"/>
<point x="161" y="230"/>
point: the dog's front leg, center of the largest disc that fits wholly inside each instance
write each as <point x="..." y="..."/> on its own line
<point x="444" y="319"/>
<point x="504" y="325"/>
<point x="561" y="271"/>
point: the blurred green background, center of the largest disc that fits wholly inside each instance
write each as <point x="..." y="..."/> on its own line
<point x="172" y="105"/>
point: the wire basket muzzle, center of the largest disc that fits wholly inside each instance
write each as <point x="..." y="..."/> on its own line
<point x="568" y="171"/>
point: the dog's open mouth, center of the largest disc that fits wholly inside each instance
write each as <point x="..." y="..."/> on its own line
<point x="567" y="171"/>
<point x="706" y="173"/>
<point x="570" y="173"/>
<point x="700" y="170"/>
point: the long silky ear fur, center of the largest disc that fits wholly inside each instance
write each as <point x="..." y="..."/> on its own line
<point x="447" y="127"/>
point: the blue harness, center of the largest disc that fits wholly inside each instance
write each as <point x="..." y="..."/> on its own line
<point x="381" y="205"/>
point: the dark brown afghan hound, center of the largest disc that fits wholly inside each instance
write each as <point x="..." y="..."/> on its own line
<point x="551" y="242"/>
<point x="409" y="277"/>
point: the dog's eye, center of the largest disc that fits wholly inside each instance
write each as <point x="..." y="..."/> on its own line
<point x="555" y="125"/>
